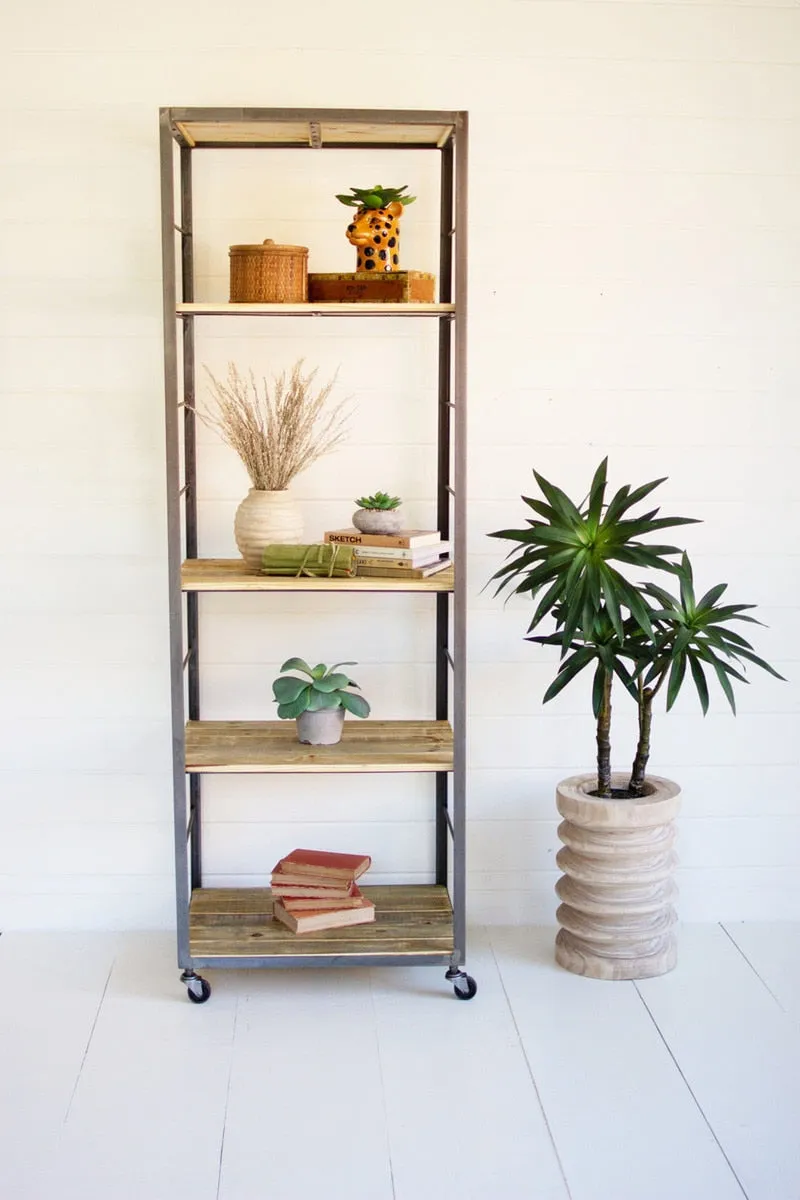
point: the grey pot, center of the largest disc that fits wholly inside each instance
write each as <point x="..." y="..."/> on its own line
<point x="378" y="520"/>
<point x="321" y="728"/>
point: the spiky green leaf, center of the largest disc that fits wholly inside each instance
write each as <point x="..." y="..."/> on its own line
<point x="598" y="689"/>
<point x="568" y="670"/>
<point x="597" y="493"/>
<point x="699" y="681"/>
<point x="676" y="677"/>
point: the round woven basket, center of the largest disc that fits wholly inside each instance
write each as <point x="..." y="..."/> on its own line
<point x="269" y="274"/>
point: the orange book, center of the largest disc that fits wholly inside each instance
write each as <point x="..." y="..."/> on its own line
<point x="317" y="904"/>
<point x="298" y="891"/>
<point x="317" y="919"/>
<point x="285" y="884"/>
<point x="324" y="864"/>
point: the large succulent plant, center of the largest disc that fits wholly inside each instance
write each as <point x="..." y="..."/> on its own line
<point x="640" y="633"/>
<point x="324" y="688"/>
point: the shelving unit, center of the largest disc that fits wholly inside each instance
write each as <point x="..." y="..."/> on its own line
<point x="223" y="927"/>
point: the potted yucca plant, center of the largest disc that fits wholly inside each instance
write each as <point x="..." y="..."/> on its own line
<point x="617" y="917"/>
<point x="319" y="701"/>
<point x="378" y="514"/>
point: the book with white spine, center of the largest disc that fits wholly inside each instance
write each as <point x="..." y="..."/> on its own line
<point x="413" y="555"/>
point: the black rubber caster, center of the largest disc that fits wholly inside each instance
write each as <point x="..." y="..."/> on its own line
<point x="464" y="985"/>
<point x="197" y="989"/>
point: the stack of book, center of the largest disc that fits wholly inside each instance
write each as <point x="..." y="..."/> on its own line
<point x="317" y="889"/>
<point x="409" y="554"/>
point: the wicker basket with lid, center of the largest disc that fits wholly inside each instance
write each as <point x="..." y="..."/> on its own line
<point x="269" y="274"/>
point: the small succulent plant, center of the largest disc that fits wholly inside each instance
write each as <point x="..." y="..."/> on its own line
<point x="325" y="688"/>
<point x="381" y="501"/>
<point x="376" y="197"/>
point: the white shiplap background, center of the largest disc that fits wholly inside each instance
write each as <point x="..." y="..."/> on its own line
<point x="635" y="290"/>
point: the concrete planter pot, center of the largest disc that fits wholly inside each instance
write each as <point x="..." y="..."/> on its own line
<point x="321" y="728"/>
<point x="378" y="520"/>
<point x="617" y="889"/>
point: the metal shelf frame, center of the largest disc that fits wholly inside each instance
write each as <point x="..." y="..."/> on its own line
<point x="183" y="133"/>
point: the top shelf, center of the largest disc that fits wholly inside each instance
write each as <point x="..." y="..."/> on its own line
<point x="315" y="128"/>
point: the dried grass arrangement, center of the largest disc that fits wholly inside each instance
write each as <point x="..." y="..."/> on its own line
<point x="280" y="431"/>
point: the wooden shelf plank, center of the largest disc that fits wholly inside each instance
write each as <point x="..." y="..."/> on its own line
<point x="232" y="575"/>
<point x="270" y="747"/>
<point x="323" y="128"/>
<point x="405" y="309"/>
<point x="238" y="922"/>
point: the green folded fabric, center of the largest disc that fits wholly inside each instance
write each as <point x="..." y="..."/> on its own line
<point x="315" y="561"/>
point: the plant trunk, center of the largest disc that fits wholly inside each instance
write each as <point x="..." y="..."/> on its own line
<point x="636" y="785"/>
<point x="604" y="740"/>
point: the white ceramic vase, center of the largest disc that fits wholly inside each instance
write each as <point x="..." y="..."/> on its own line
<point x="263" y="518"/>
<point x="616" y="914"/>
<point x="321" y="728"/>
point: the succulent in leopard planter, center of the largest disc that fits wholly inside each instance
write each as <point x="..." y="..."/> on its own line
<point x="319" y="702"/>
<point x="378" y="514"/>
<point x="375" y="229"/>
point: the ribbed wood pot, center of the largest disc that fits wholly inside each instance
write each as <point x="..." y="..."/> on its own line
<point x="264" y="518"/>
<point x="616" y="914"/>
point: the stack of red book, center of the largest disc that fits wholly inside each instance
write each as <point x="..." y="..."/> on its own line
<point x="316" y="889"/>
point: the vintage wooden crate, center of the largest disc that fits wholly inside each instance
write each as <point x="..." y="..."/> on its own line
<point x="387" y="287"/>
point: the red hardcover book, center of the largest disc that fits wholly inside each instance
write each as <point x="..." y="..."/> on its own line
<point x="324" y="864"/>
<point x="308" y="922"/>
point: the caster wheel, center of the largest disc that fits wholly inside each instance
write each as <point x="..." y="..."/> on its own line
<point x="198" y="990"/>
<point x="465" y="987"/>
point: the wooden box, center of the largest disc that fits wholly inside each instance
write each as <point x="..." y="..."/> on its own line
<point x="385" y="288"/>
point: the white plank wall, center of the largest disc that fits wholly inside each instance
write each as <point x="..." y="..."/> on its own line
<point x="635" y="290"/>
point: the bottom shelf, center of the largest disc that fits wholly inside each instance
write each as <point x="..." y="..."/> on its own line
<point x="234" y="927"/>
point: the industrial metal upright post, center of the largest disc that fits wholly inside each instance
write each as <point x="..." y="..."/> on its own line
<point x="226" y="927"/>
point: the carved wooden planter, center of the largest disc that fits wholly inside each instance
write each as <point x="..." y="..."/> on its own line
<point x="616" y="913"/>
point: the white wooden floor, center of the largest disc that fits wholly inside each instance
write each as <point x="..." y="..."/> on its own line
<point x="367" y="1085"/>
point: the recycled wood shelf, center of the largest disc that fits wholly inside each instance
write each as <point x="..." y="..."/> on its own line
<point x="233" y="575"/>
<point x="410" y="921"/>
<point x="271" y="747"/>
<point x="408" y="308"/>
<point x="198" y="128"/>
